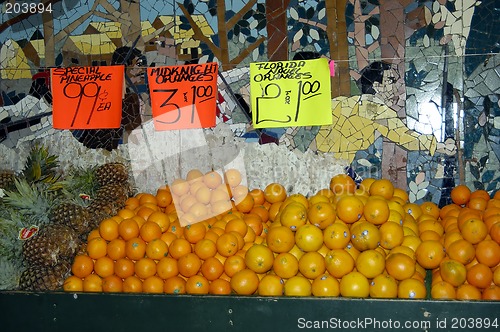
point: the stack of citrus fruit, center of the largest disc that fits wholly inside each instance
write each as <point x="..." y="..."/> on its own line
<point x="209" y="234"/>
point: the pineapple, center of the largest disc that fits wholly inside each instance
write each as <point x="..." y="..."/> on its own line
<point x="41" y="166"/>
<point x="102" y="209"/>
<point x="114" y="193"/>
<point x="111" y="173"/>
<point x="10" y="274"/>
<point x="52" y="245"/>
<point x="73" y="215"/>
<point x="37" y="278"/>
<point x="6" y="179"/>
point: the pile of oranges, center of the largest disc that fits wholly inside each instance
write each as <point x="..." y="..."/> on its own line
<point x="210" y="234"/>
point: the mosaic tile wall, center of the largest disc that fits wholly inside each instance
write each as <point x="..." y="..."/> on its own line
<point x="415" y="97"/>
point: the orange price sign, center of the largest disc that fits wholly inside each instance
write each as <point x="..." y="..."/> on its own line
<point x="87" y="97"/>
<point x="183" y="97"/>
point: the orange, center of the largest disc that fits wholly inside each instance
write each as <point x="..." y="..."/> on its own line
<point x="93" y="234"/>
<point x="370" y="263"/>
<point x="245" y="203"/>
<point x="474" y="230"/>
<point x="163" y="198"/>
<point x="82" y="266"/>
<point x="179" y="247"/>
<point x="128" y="229"/>
<point x="147" y="198"/>
<point x="342" y="184"/>
<point x="382" y="187"/>
<point x="488" y="253"/>
<point x="491" y="293"/>
<point x="496" y="276"/>
<point x="150" y="231"/>
<point x="212" y="179"/>
<point x="219" y="287"/>
<point x="401" y="195"/>
<point x="132" y="284"/>
<point x="453" y="272"/>
<point x="293" y="215"/>
<point x="481" y="193"/>
<point x="376" y="211"/>
<point x="234" y="264"/>
<point x="325" y="286"/>
<point x="274" y="192"/>
<point x="195" y="232"/>
<point x="468" y="292"/>
<point x="495" y="232"/>
<point x="135" y="248"/>
<point x="189" y="264"/>
<point x="365" y="235"/>
<point x="309" y="238"/>
<point x="460" y="195"/>
<point x="430" y="225"/>
<point x="161" y="219"/>
<point x="480" y="276"/>
<point x="477" y="203"/>
<point x="430" y="208"/>
<point x="285" y="265"/>
<point x="352" y="250"/>
<point x="112" y="284"/>
<point x="430" y="235"/>
<point x="400" y="266"/>
<point x="239" y="192"/>
<point x="156" y="249"/>
<point x="116" y="249"/>
<point x="462" y="251"/>
<point x="167" y="268"/>
<point x="321" y="214"/>
<point x="144" y="211"/>
<point x="132" y="203"/>
<point x="413" y="209"/>
<point x="384" y="286"/>
<point x="126" y="213"/>
<point x="410" y="241"/>
<point x="245" y="282"/>
<point x="429" y="254"/>
<point x="92" y="283"/>
<point x="108" y="229"/>
<point x="197" y="284"/>
<point x="227" y="244"/>
<point x="238" y="225"/>
<point x="174" y="285"/>
<point x="258" y="196"/>
<point x="299" y="198"/>
<point x="443" y="290"/>
<point x="212" y="268"/>
<point x="298" y="286"/>
<point x="124" y="268"/>
<point x="145" y="268"/>
<point x="349" y="209"/>
<point x="354" y="284"/>
<point x="339" y="262"/>
<point x="259" y="258"/>
<point x="261" y="211"/>
<point x="205" y="248"/>
<point x="179" y="187"/>
<point x="336" y="236"/>
<point x="317" y="198"/>
<point x="411" y="289"/>
<point x="391" y="235"/>
<point x="270" y="285"/>
<point x="254" y="221"/>
<point x="153" y="284"/>
<point x="312" y="265"/>
<point x="104" y="267"/>
<point x="402" y="250"/>
<point x="73" y="284"/>
<point x="194" y="175"/>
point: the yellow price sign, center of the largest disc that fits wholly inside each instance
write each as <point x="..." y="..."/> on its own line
<point x="290" y="93"/>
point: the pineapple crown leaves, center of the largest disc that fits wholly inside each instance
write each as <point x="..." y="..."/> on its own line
<point x="80" y="181"/>
<point x="10" y="274"/>
<point x="11" y="222"/>
<point x="41" y="166"/>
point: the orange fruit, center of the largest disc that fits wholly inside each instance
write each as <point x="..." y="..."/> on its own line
<point x="453" y="272"/>
<point x="150" y="231"/>
<point x="293" y="215"/>
<point x="156" y="249"/>
<point x="491" y="293"/>
<point x="175" y="285"/>
<point x="163" y="198"/>
<point x="245" y="282"/>
<point x="477" y="203"/>
<point x="116" y="249"/>
<point x="285" y="265"/>
<point x="342" y="184"/>
<point x="325" y="286"/>
<point x="132" y="203"/>
<point x="365" y="235"/>
<point x="274" y="192"/>
<point x="132" y="284"/>
<point x="391" y="235"/>
<point x="430" y="225"/>
<point x="370" y="263"/>
<point x="161" y="219"/>
<point x="382" y="187"/>
<point x="312" y="265"/>
<point x="82" y="266"/>
<point x="496" y="276"/>
<point x="234" y="264"/>
<point x="153" y="284"/>
<point x="336" y="236"/>
<point x="112" y="284"/>
<point x="205" y="248"/>
<point x="179" y="247"/>
<point x="167" y="268"/>
<point x="195" y="232"/>
<point x="92" y="283"/>
<point x="349" y="209"/>
<point x="376" y="211"/>
<point x="219" y="287"/>
<point x="212" y="179"/>
<point x="258" y="196"/>
<point x="384" y="286"/>
<point x="298" y="286"/>
<point x="411" y="289"/>
<point x="145" y="268"/>
<point x="321" y="214"/>
<point x="430" y="208"/>
<point x="460" y="195"/>
<point x="488" y="253"/>
<point x="189" y="264"/>
<point x="135" y="248"/>
<point x="309" y="238"/>
<point x="468" y="292"/>
<point x="339" y="262"/>
<point x="237" y="225"/>
<point x="354" y="284"/>
<point x="474" y="230"/>
<point x="480" y="276"/>
<point x="400" y="266"/>
<point x="124" y="268"/>
<point x="244" y="203"/>
<point x="462" y="251"/>
<point x="212" y="268"/>
<point x="73" y="284"/>
<point x="128" y="229"/>
<point x="108" y="229"/>
<point x="259" y="258"/>
<point x="254" y="222"/>
<point x="443" y="290"/>
<point x="104" y="267"/>
<point x="93" y="234"/>
<point x="429" y="254"/>
<point x="270" y="285"/>
<point x="227" y="244"/>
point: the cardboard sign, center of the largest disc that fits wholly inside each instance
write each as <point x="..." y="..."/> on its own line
<point x="290" y="93"/>
<point x="87" y="97"/>
<point x="183" y="97"/>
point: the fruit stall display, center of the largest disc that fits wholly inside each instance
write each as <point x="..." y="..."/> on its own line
<point x="209" y="236"/>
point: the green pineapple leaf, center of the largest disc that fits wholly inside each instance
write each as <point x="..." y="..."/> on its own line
<point x="41" y="166"/>
<point x="10" y="274"/>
